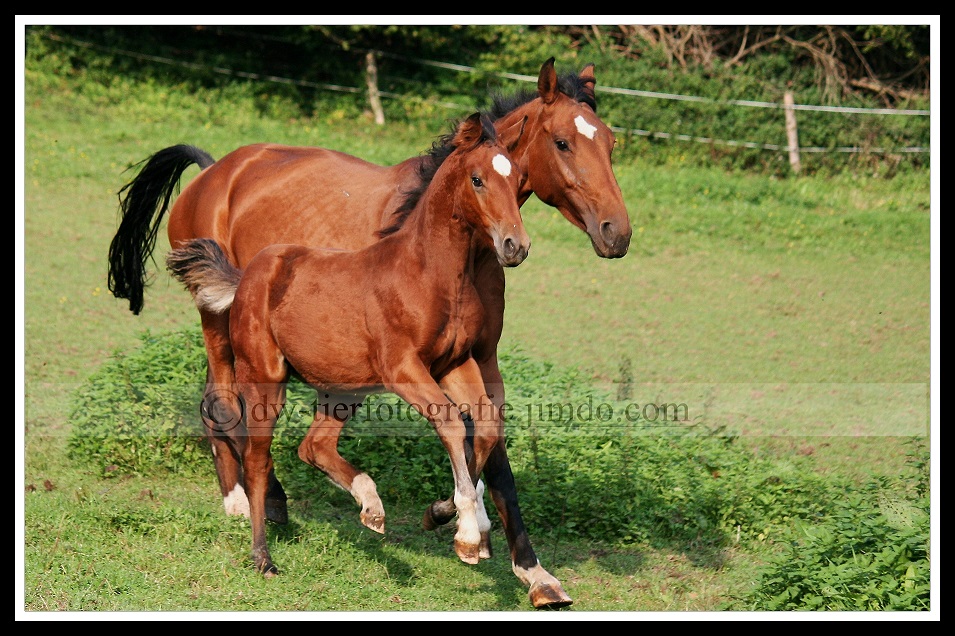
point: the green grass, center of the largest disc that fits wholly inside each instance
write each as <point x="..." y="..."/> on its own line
<point x="731" y="281"/>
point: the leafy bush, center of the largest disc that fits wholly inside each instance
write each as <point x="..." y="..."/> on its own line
<point x="870" y="553"/>
<point x="139" y="412"/>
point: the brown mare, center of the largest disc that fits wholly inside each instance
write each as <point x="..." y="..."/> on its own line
<point x="398" y="316"/>
<point x="263" y="194"/>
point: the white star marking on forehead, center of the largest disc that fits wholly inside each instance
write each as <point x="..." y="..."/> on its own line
<point x="584" y="127"/>
<point x="501" y="164"/>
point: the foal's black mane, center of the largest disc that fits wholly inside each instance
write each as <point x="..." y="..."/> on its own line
<point x="569" y="84"/>
<point x="441" y="148"/>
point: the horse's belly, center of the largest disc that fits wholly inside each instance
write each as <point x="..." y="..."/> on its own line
<point x="331" y="357"/>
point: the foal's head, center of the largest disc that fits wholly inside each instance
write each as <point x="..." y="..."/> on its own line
<point x="483" y="181"/>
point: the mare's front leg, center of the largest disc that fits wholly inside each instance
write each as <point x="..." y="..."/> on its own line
<point x="222" y="425"/>
<point x="413" y="383"/>
<point x="320" y="449"/>
<point x="545" y="591"/>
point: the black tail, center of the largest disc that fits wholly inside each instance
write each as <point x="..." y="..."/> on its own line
<point x="147" y="195"/>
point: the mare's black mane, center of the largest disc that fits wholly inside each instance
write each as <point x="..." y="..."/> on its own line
<point x="569" y="84"/>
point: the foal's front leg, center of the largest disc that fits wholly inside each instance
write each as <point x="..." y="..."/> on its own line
<point x="465" y="386"/>
<point x="413" y="383"/>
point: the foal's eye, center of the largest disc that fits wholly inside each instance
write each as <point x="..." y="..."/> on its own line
<point x="476" y="182"/>
<point x="562" y="145"/>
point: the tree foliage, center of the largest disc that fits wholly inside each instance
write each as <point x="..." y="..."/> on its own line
<point x="891" y="61"/>
<point x="433" y="72"/>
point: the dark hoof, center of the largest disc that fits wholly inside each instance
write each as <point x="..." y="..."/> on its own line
<point x="276" y="511"/>
<point x="267" y="569"/>
<point x="438" y="514"/>
<point x="484" y="548"/>
<point x="549" y="597"/>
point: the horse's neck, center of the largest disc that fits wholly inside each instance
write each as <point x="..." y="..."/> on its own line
<point x="534" y="111"/>
<point x="438" y="235"/>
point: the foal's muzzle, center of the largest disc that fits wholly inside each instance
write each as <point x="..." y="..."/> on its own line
<point x="513" y="252"/>
<point x="512" y="244"/>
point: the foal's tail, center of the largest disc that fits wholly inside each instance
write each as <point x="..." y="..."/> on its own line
<point x="202" y="266"/>
<point x="147" y="195"/>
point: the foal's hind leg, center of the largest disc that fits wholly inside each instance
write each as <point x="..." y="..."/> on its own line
<point x="320" y="449"/>
<point x="221" y="418"/>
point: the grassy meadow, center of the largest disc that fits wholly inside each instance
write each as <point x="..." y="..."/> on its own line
<point x="734" y="283"/>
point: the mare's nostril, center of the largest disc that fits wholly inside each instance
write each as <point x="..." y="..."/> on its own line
<point x="608" y="233"/>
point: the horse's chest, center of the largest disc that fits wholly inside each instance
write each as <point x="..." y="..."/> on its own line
<point x="459" y="330"/>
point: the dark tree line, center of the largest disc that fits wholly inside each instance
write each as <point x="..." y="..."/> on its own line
<point x="890" y="61"/>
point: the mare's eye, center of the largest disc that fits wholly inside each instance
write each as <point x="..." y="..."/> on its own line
<point x="562" y="145"/>
<point x="476" y="182"/>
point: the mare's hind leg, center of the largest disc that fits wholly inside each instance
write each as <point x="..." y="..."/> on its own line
<point x="320" y="449"/>
<point x="223" y="427"/>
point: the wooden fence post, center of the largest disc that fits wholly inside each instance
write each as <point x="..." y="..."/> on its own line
<point x="371" y="78"/>
<point x="792" y="135"/>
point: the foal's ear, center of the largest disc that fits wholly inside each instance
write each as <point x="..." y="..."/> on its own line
<point x="468" y="132"/>
<point x="511" y="136"/>
<point x="547" y="82"/>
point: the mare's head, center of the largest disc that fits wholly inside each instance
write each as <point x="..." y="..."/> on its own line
<point x="483" y="181"/>
<point x="565" y="153"/>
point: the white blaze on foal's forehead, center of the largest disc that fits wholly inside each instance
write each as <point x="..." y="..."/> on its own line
<point x="501" y="164"/>
<point x="584" y="127"/>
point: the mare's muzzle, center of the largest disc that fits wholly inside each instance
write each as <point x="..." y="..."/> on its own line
<point x="611" y="241"/>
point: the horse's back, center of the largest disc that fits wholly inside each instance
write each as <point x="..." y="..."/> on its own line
<point x="263" y="194"/>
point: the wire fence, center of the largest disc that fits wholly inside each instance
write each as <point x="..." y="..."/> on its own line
<point x="460" y="68"/>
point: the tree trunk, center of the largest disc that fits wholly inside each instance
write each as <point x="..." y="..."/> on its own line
<point x="371" y="78"/>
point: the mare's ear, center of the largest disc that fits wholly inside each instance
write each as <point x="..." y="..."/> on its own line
<point x="468" y="132"/>
<point x="547" y="82"/>
<point x="588" y="80"/>
<point x="511" y="136"/>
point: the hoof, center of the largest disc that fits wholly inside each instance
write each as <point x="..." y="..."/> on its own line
<point x="374" y="521"/>
<point x="438" y="514"/>
<point x="428" y="522"/>
<point x="267" y="569"/>
<point x="484" y="548"/>
<point x="467" y="553"/>
<point x="276" y="511"/>
<point x="549" y="596"/>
